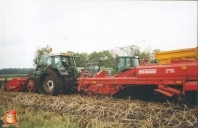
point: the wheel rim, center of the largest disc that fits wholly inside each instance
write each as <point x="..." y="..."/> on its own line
<point x="48" y="85"/>
<point x="30" y="85"/>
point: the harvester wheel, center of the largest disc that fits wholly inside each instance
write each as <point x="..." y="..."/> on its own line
<point x="49" y="83"/>
<point x="31" y="84"/>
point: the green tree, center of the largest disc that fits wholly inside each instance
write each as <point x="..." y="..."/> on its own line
<point x="146" y="54"/>
<point x="81" y="59"/>
<point x="156" y="50"/>
<point x="30" y="72"/>
<point x="132" y="50"/>
<point x="40" y="51"/>
<point x="100" y="59"/>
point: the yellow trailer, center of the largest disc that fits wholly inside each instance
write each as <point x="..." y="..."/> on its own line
<point x="165" y="56"/>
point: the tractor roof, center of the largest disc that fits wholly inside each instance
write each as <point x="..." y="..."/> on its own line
<point x="63" y="54"/>
<point x="127" y="57"/>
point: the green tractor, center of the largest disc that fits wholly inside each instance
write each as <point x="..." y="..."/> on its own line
<point x="54" y="74"/>
<point x="123" y="63"/>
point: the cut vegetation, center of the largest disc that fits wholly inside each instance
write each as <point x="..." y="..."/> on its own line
<point x="63" y="111"/>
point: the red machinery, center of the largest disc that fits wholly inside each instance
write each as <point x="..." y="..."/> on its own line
<point x="16" y="84"/>
<point x="175" y="78"/>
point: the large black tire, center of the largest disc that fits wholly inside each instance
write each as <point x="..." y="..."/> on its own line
<point x="49" y="83"/>
<point x="65" y="86"/>
<point x="31" y="85"/>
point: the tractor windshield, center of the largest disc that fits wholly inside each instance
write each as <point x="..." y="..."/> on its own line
<point x="65" y="61"/>
<point x="68" y="61"/>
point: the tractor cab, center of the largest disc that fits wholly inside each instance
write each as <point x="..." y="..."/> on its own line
<point x="63" y="64"/>
<point x="124" y="63"/>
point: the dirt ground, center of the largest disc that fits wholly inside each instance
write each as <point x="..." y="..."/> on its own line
<point x="107" y="110"/>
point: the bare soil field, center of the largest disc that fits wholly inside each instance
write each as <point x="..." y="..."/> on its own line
<point x="36" y="110"/>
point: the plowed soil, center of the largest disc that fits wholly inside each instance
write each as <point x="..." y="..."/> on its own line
<point x="107" y="110"/>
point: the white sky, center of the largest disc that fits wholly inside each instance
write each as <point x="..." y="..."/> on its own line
<point x="92" y="26"/>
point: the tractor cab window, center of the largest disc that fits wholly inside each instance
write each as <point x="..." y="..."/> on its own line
<point x="49" y="61"/>
<point x="65" y="61"/>
<point x="57" y="61"/>
<point x="73" y="62"/>
<point x="45" y="60"/>
<point x="121" y="62"/>
<point x="136" y="62"/>
<point x="62" y="61"/>
<point x="128" y="62"/>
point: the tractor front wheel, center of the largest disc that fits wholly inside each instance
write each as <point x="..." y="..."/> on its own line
<point x="49" y="83"/>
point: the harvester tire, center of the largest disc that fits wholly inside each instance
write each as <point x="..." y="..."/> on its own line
<point x="31" y="84"/>
<point x="49" y="83"/>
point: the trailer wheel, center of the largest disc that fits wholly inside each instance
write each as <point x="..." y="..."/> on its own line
<point x="49" y="83"/>
<point x="31" y="84"/>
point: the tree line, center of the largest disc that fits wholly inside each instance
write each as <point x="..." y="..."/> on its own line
<point x="105" y="58"/>
<point x="15" y="71"/>
<point x="91" y="61"/>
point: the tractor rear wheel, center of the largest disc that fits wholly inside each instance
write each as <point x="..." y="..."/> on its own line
<point x="65" y="87"/>
<point x="31" y="84"/>
<point x="49" y="83"/>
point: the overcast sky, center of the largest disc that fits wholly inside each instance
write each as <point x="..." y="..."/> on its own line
<point x="92" y="26"/>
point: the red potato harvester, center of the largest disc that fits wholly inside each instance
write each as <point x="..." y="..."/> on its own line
<point x="173" y="79"/>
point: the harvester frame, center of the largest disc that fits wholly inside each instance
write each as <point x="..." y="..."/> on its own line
<point x="177" y="78"/>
